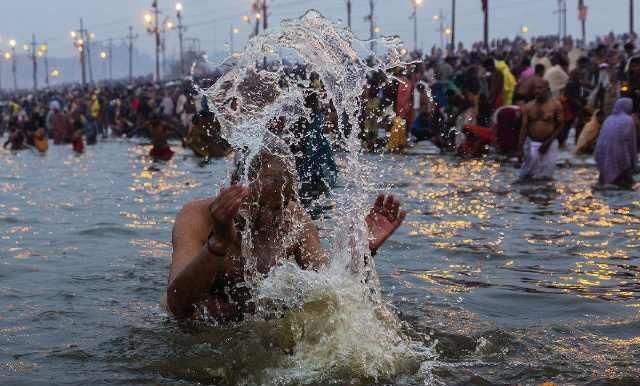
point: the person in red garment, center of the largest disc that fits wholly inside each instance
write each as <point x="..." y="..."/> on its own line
<point x="477" y="141"/>
<point x="77" y="142"/>
<point x="208" y="262"/>
<point x="159" y="133"/>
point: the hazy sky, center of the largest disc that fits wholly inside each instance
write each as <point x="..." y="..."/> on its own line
<point x="211" y="20"/>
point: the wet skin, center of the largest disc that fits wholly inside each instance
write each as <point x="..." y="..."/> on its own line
<point x="542" y="118"/>
<point x="207" y="240"/>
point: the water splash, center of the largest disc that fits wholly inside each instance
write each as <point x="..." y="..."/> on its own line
<point x="335" y="320"/>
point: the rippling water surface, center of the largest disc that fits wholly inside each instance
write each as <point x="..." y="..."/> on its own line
<point x="508" y="283"/>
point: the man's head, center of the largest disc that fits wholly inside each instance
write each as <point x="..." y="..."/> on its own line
<point x="539" y="70"/>
<point x="272" y="180"/>
<point x="541" y="90"/>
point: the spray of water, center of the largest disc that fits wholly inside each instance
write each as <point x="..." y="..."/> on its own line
<point x="333" y="323"/>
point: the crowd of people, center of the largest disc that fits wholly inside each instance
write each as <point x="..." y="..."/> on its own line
<point x="520" y="99"/>
<point x="79" y="116"/>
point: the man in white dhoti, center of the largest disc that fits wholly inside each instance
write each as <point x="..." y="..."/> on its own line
<point x="542" y="123"/>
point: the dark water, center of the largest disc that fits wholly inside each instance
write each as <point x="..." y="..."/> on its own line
<point x="510" y="283"/>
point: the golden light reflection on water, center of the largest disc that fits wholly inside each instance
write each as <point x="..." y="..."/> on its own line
<point x="152" y="248"/>
<point x="464" y="207"/>
<point x="458" y="197"/>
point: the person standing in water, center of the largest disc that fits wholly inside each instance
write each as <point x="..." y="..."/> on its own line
<point x="541" y="125"/>
<point x="617" y="147"/>
<point x="208" y="261"/>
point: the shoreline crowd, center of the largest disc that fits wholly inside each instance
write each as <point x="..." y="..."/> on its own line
<point x="520" y="99"/>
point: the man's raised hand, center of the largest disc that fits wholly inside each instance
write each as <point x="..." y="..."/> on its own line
<point x="383" y="219"/>
<point x="223" y="209"/>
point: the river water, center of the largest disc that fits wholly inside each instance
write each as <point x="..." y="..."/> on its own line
<point x="505" y="283"/>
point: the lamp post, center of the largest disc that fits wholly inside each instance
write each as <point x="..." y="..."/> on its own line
<point x="440" y="18"/>
<point x="78" y="43"/>
<point x="34" y="58"/>
<point x="89" y="37"/>
<point x="12" y="44"/>
<point x="416" y="4"/>
<point x="7" y="56"/>
<point x="582" y="16"/>
<point x="153" y="27"/>
<point x="104" y="56"/>
<point x="42" y="52"/>
<point x="181" y="29"/>
<point x="631" y="17"/>
<point x="453" y="26"/>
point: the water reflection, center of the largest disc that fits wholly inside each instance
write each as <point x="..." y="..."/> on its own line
<point x="510" y="287"/>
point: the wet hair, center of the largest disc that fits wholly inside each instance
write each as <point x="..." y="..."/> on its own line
<point x="559" y="60"/>
<point x="273" y="150"/>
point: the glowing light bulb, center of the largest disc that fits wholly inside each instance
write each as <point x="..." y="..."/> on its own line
<point x="179" y="7"/>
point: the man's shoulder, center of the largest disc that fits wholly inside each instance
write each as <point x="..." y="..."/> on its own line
<point x="193" y="211"/>
<point x="191" y="221"/>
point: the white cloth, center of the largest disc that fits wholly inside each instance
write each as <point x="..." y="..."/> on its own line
<point x="538" y="166"/>
<point x="417" y="94"/>
<point x="557" y="79"/>
<point x="541" y="60"/>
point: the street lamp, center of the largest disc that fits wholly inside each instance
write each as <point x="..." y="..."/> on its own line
<point x="103" y="55"/>
<point x="153" y="27"/>
<point x="55" y="73"/>
<point x="181" y="29"/>
<point x="7" y="55"/>
<point x="441" y="29"/>
<point x="245" y="19"/>
<point x="416" y="4"/>
<point x="376" y="30"/>
<point x="524" y="29"/>
<point x="12" y="56"/>
<point x="73" y="34"/>
<point x="42" y="52"/>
